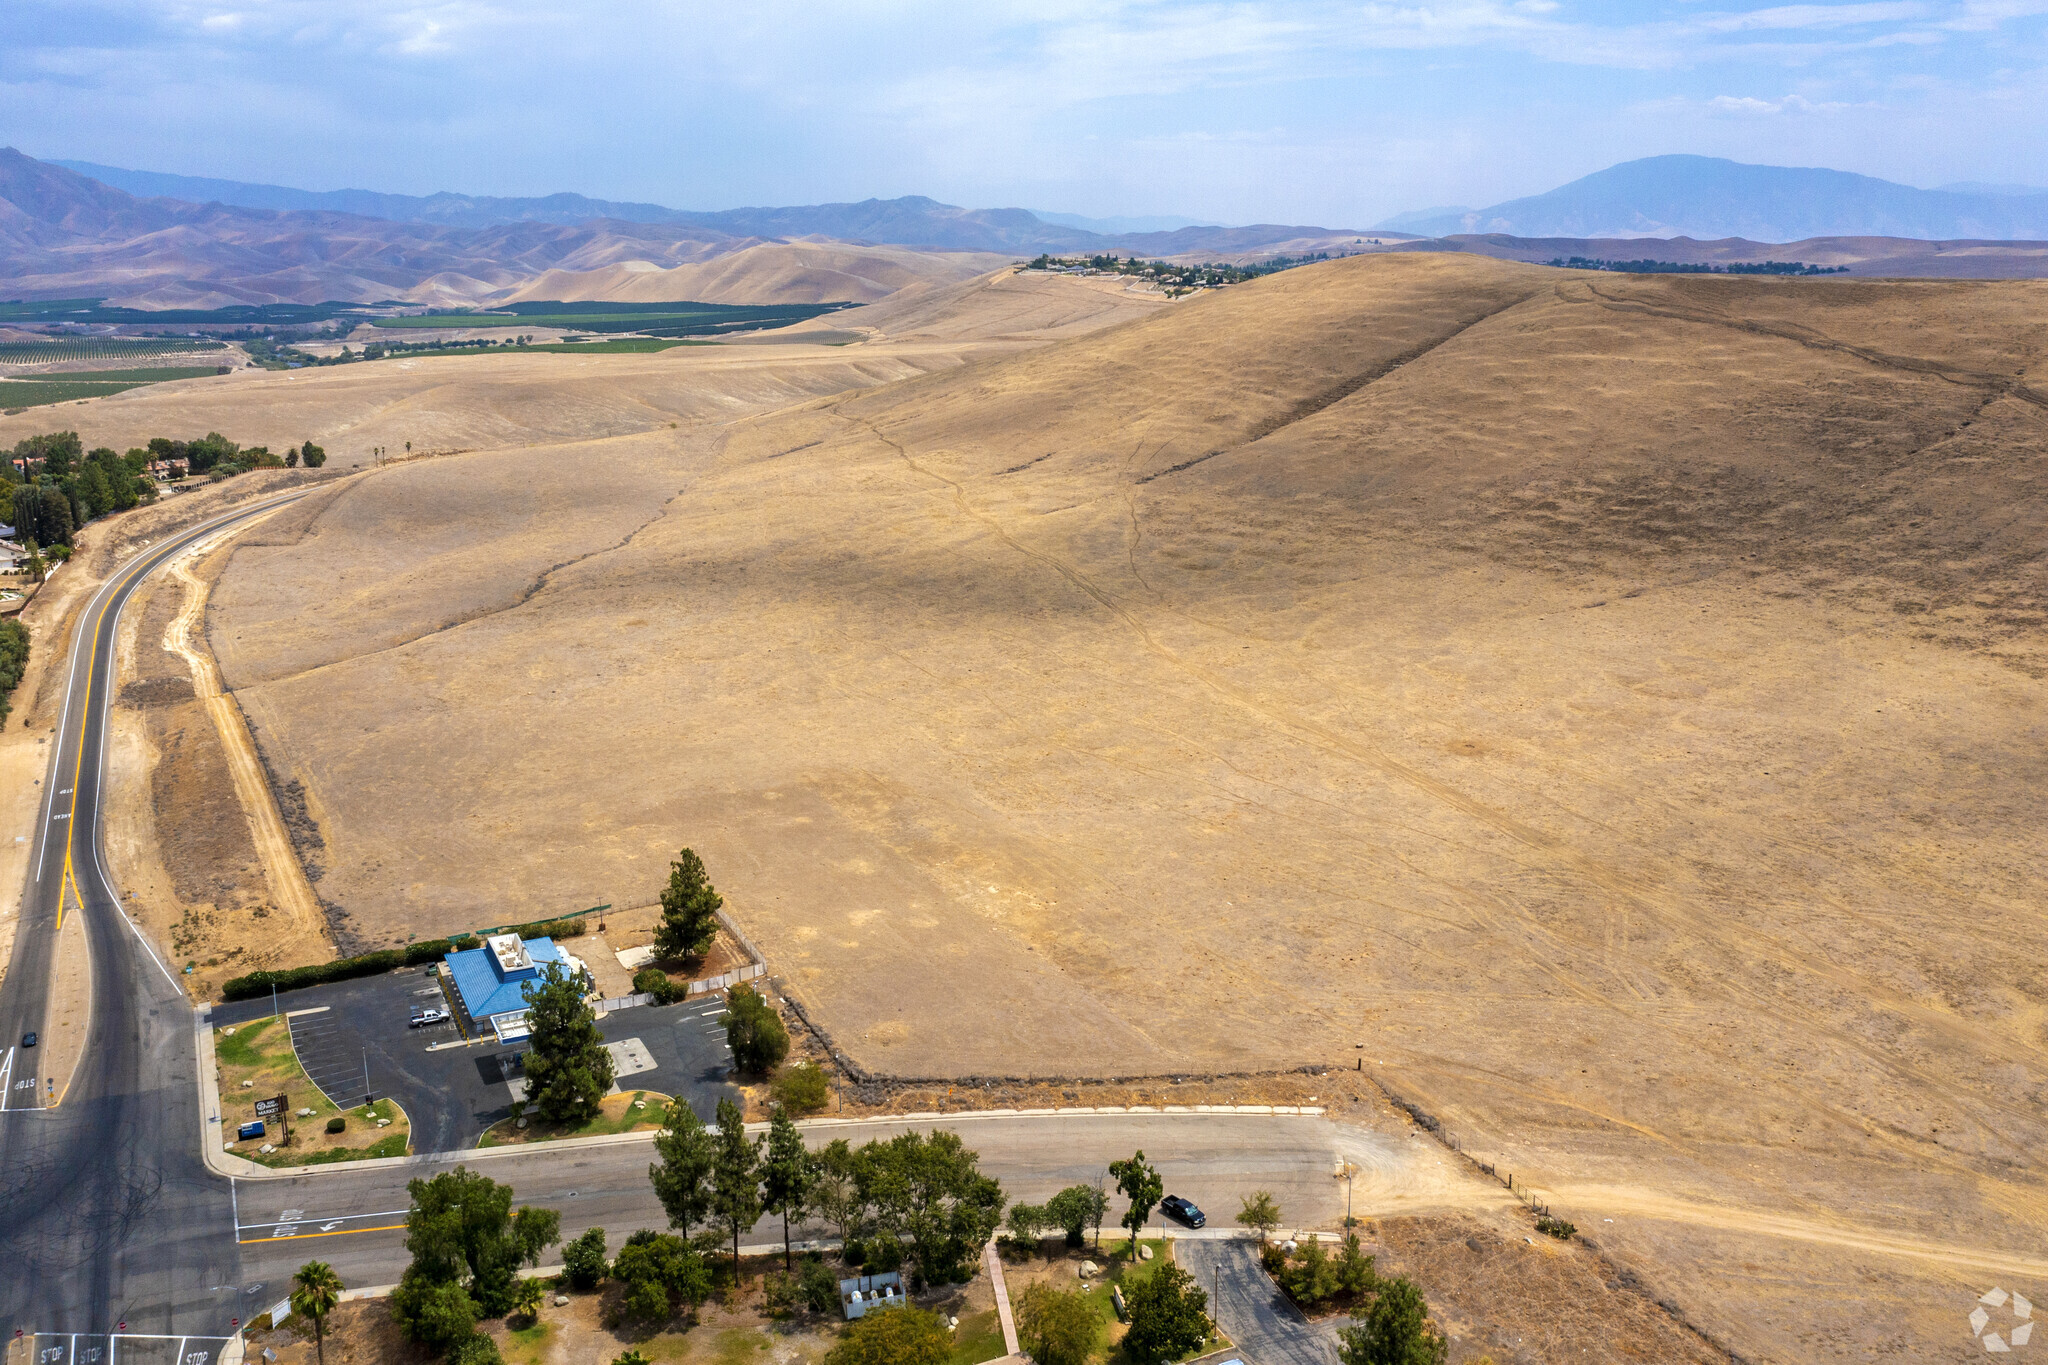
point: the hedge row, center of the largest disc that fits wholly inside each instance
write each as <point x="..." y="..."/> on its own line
<point x="390" y="959"/>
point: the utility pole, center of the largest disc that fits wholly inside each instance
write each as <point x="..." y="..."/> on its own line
<point x="366" y="1078"/>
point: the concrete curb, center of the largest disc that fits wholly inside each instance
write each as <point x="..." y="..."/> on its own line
<point x="472" y="1154"/>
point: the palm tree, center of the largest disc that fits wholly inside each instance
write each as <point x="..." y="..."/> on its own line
<point x="315" y="1291"/>
<point x="527" y="1297"/>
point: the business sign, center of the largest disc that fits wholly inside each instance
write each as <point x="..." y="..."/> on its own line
<point x="270" y="1108"/>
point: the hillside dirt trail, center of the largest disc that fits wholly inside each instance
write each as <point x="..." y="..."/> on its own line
<point x="282" y="870"/>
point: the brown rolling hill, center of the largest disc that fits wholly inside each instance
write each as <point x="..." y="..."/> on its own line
<point x="1605" y="709"/>
<point x="1897" y="257"/>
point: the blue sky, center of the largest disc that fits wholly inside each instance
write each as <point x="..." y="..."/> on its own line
<point x="1337" y="114"/>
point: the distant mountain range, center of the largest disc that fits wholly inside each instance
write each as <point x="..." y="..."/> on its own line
<point x="68" y="234"/>
<point x="1707" y="198"/>
<point x="913" y="220"/>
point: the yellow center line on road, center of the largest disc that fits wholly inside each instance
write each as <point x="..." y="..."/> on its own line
<point x="299" y="1236"/>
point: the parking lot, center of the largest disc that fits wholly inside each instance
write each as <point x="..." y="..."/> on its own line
<point x="353" y="1039"/>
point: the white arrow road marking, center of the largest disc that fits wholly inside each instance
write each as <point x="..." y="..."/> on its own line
<point x="329" y="1227"/>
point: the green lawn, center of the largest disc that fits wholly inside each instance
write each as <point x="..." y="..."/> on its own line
<point x="619" y="1117"/>
<point x="1118" y="1272"/>
<point x="979" y="1338"/>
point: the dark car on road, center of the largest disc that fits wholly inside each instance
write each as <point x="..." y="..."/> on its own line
<point x="29" y="1039"/>
<point x="1179" y="1209"/>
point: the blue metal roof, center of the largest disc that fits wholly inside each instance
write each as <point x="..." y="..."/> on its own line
<point x="485" y="990"/>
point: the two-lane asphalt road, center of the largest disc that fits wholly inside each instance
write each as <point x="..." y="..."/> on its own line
<point x="109" y="1213"/>
<point x="114" y="1222"/>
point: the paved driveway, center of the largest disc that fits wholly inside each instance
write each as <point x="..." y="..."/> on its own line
<point x="359" y="1038"/>
<point x="1267" y="1329"/>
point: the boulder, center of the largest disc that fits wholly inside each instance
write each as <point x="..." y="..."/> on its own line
<point x="1089" y="1268"/>
<point x="561" y="1300"/>
<point x="1144" y="1252"/>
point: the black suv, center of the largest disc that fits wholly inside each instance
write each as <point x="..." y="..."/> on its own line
<point x="1173" y="1206"/>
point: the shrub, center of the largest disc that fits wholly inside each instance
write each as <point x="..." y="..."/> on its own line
<point x="337" y="1124"/>
<point x="853" y="1252"/>
<point x="803" y="1088"/>
<point x="258" y="983"/>
<point x="1556" y="1227"/>
<point x="1273" y="1259"/>
<point x="477" y="1349"/>
<point x="817" y="1286"/>
<point x="884" y="1254"/>
<point x="778" y="1294"/>
<point x="894" y="1336"/>
<point x="1026" y="1222"/>
<point x="654" y="981"/>
<point x="583" y="1262"/>
<point x="658" y="1269"/>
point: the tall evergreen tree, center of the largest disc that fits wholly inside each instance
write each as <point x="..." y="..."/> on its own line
<point x="568" y="1070"/>
<point x="788" y="1175"/>
<point x="682" y="1177"/>
<point x="689" y="910"/>
<point x="735" y="1177"/>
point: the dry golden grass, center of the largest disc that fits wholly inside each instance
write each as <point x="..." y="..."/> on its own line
<point x="1609" y="706"/>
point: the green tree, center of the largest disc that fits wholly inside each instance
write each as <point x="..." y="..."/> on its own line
<point x="315" y="1291"/>
<point x="13" y="660"/>
<point x="682" y="1176"/>
<point x="1312" y="1279"/>
<point x="60" y="452"/>
<point x="930" y="1189"/>
<point x="1058" y="1327"/>
<point x="313" y="455"/>
<point x="291" y="457"/>
<point x="438" y="1316"/>
<point x="1140" y="1184"/>
<point x="1355" y="1273"/>
<point x="689" y="910"/>
<point x="1073" y="1209"/>
<point x="1393" y="1330"/>
<point x="463" y="1234"/>
<point x="534" y="1231"/>
<point x="1260" y="1212"/>
<point x="583" y="1260"/>
<point x="735" y="1177"/>
<point x="788" y="1175"/>
<point x="836" y="1197"/>
<point x="754" y="1031"/>
<point x="42" y="513"/>
<point x="894" y="1336"/>
<point x="567" y="1067"/>
<point x="1169" y="1316"/>
<point x="94" y="491"/>
<point x="659" y="1271"/>
<point x="527" y="1297"/>
<point x="1027" y="1221"/>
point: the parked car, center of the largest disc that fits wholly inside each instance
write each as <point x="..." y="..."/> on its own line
<point x="250" y="1130"/>
<point x="431" y="1014"/>
<point x="1175" y="1207"/>
<point x="29" y="1039"/>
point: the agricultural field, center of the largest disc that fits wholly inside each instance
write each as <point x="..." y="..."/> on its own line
<point x="41" y="391"/>
<point x="79" y="348"/>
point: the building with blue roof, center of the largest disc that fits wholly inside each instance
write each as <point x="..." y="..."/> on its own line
<point x="492" y="981"/>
